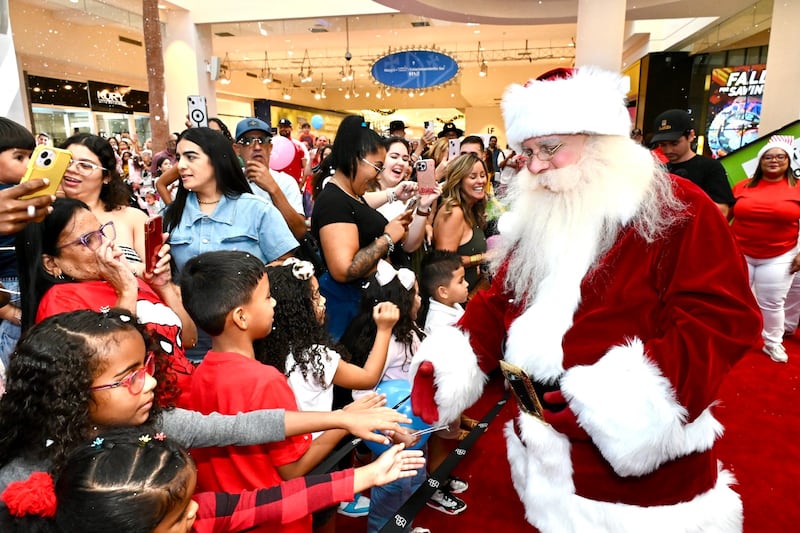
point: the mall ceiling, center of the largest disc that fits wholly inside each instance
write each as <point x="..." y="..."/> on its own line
<point x="518" y="39"/>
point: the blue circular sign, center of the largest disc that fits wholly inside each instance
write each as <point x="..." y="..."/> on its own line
<point x="414" y="69"/>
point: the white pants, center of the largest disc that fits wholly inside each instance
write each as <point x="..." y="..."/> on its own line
<point x="792" y="306"/>
<point x="770" y="281"/>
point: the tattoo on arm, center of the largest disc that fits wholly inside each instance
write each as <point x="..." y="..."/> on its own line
<point x="366" y="259"/>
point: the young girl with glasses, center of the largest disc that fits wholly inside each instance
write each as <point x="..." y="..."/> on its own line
<point x="75" y="374"/>
<point x="140" y="480"/>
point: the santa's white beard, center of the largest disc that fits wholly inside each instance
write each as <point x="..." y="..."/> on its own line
<point x="563" y="220"/>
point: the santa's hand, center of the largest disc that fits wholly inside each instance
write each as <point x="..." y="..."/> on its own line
<point x="423" y="394"/>
<point x="563" y="421"/>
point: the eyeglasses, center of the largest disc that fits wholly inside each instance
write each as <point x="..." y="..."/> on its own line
<point x="85" y="168"/>
<point x="247" y="141"/>
<point x="545" y="153"/>
<point x="93" y="239"/>
<point x="135" y="380"/>
<point x="776" y="157"/>
<point x="378" y="169"/>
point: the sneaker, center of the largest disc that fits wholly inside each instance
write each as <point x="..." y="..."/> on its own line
<point x="357" y="508"/>
<point x="446" y="503"/>
<point x="776" y="352"/>
<point x="456" y="485"/>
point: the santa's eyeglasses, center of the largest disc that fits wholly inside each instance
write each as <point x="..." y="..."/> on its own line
<point x="545" y="153"/>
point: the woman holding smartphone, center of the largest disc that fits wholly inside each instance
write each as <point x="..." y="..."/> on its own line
<point x="93" y="178"/>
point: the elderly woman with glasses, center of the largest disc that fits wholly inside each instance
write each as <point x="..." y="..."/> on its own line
<point x="70" y="261"/>
<point x="94" y="179"/>
<point x="765" y="225"/>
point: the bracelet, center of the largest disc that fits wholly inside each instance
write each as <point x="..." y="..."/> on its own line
<point x="423" y="213"/>
<point x="477" y="258"/>
<point x="390" y="241"/>
<point x="390" y="196"/>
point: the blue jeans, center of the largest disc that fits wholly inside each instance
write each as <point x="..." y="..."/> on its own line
<point x="386" y="500"/>
<point x="9" y="332"/>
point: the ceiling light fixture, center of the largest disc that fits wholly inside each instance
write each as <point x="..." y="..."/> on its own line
<point x="305" y="72"/>
<point x="225" y="71"/>
<point x="261" y="30"/>
<point x="484" y="70"/>
<point x="266" y="72"/>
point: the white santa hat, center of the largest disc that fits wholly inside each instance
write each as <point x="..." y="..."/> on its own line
<point x="784" y="142"/>
<point x="591" y="100"/>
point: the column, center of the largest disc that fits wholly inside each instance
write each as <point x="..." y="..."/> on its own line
<point x="781" y="104"/>
<point x="13" y="100"/>
<point x="187" y="49"/>
<point x="601" y="34"/>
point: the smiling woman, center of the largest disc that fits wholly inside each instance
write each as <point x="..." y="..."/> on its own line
<point x="461" y="215"/>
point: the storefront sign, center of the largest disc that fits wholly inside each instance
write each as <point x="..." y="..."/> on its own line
<point x="734" y="107"/>
<point x="414" y="69"/>
<point x="117" y="99"/>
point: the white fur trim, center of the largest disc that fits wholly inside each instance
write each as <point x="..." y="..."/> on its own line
<point x="541" y="473"/>
<point x="630" y="411"/>
<point x="458" y="378"/>
<point x="591" y="101"/>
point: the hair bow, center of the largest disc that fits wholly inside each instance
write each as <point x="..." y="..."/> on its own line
<point x="387" y="273"/>
<point x="302" y="270"/>
<point x="34" y="496"/>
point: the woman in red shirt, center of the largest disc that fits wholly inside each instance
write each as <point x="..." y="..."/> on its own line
<point x="766" y="227"/>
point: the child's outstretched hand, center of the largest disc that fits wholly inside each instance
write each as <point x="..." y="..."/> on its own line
<point x="367" y="414"/>
<point x="395" y="463"/>
<point x="385" y="315"/>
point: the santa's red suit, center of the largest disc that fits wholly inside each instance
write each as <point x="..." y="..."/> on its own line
<point x="656" y="328"/>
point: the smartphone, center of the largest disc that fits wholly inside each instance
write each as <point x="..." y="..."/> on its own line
<point x="453" y="149"/>
<point x="426" y="176"/>
<point x="198" y="112"/>
<point x="153" y="228"/>
<point x="522" y="389"/>
<point x="429" y="125"/>
<point x="47" y="162"/>
<point x="412" y="203"/>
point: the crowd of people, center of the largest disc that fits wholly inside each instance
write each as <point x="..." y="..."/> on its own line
<point x="280" y="300"/>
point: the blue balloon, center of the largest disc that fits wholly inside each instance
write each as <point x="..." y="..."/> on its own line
<point x="317" y="122"/>
<point x="397" y="391"/>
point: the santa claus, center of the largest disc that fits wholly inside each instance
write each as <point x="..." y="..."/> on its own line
<point x="619" y="289"/>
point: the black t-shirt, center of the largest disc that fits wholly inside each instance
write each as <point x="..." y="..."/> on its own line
<point x="333" y="206"/>
<point x="708" y="174"/>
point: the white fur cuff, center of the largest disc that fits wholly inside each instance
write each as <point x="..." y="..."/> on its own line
<point x="458" y="378"/>
<point x="630" y="411"/>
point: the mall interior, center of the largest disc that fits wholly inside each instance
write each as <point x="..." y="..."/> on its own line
<point x="82" y="65"/>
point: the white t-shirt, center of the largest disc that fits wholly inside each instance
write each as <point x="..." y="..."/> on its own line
<point x="311" y="395"/>
<point x="398" y="362"/>
<point x="288" y="186"/>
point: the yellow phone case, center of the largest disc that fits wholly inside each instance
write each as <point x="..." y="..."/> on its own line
<point x="47" y="162"/>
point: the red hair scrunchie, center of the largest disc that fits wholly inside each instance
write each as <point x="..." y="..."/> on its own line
<point x="34" y="496"/>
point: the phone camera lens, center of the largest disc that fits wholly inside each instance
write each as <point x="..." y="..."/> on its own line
<point x="47" y="161"/>
<point x="422" y="166"/>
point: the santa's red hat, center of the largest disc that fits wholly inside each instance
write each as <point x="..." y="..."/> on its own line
<point x="588" y="100"/>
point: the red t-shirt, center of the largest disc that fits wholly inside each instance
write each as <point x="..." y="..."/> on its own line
<point x="161" y="321"/>
<point x="765" y="217"/>
<point x="230" y="383"/>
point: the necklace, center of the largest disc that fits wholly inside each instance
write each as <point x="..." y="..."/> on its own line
<point x="354" y="197"/>
<point x="207" y="203"/>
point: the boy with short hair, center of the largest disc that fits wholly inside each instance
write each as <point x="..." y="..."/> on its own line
<point x="227" y="294"/>
<point x="442" y="277"/>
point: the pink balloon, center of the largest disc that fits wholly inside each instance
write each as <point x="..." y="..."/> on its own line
<point x="282" y="153"/>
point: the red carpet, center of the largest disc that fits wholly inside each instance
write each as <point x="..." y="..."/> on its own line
<point x="759" y="406"/>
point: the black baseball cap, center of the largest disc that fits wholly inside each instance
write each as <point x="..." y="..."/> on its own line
<point x="671" y="125"/>
<point x="284" y="122"/>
